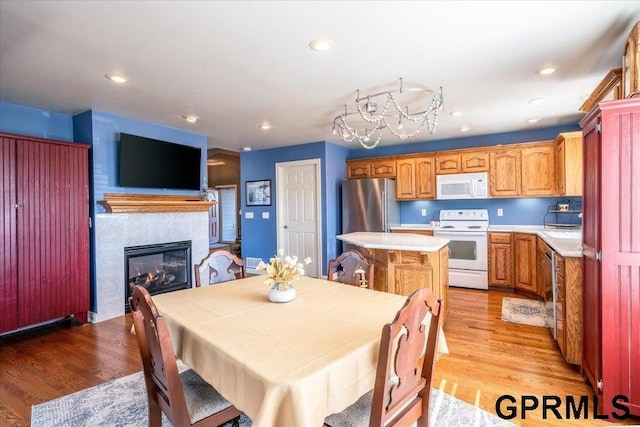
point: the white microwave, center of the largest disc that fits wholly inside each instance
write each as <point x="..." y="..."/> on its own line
<point x="462" y="186"/>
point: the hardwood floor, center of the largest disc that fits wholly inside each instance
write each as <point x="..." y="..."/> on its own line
<point x="488" y="358"/>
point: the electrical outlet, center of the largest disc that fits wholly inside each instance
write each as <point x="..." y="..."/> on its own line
<point x="500" y="212"/>
<point x="248" y="215"/>
<point x="265" y="215"/>
<point x="424" y="212"/>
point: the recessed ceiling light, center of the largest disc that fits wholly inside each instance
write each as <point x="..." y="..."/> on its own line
<point x="456" y="113"/>
<point x="321" y="45"/>
<point x="246" y="149"/>
<point x="265" y="126"/>
<point x="191" y="118"/>
<point x="116" y="78"/>
<point x="547" y="70"/>
<point x="534" y="120"/>
<point x="535" y="101"/>
<point x="464" y="128"/>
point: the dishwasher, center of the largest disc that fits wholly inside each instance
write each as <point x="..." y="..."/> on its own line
<point x="549" y="282"/>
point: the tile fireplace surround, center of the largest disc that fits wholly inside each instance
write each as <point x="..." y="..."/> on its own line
<point x="115" y="231"/>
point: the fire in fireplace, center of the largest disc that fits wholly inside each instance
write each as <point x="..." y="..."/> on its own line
<point x="159" y="268"/>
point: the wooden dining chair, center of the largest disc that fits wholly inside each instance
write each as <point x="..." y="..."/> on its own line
<point x="185" y="398"/>
<point x="402" y="389"/>
<point x="217" y="267"/>
<point x="351" y="268"/>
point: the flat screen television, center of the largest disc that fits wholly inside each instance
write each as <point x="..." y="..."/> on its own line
<point x="150" y="163"/>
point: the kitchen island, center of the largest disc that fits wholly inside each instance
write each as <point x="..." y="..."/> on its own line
<point x="405" y="262"/>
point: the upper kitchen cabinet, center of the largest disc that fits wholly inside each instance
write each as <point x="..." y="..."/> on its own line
<point x="416" y="178"/>
<point x="425" y="177"/>
<point x="358" y="169"/>
<point x="505" y="173"/>
<point x="405" y="181"/>
<point x="372" y="168"/>
<point x="538" y="170"/>
<point x="476" y="161"/>
<point x="569" y="164"/>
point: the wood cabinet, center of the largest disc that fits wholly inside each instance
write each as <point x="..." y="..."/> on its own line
<point x="415" y="178"/>
<point x="405" y="179"/>
<point x="402" y="272"/>
<point x="468" y="162"/>
<point x="358" y="169"/>
<point x="505" y="173"/>
<point x="501" y="260"/>
<point x="371" y="168"/>
<point x="538" y="170"/>
<point x="44" y="267"/>
<point x="611" y="253"/>
<point x="568" y="277"/>
<point x="569" y="164"/>
<point x="524" y="253"/>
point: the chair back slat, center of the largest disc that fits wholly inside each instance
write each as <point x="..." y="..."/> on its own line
<point x="217" y="267"/>
<point x="347" y="268"/>
<point x="164" y="386"/>
<point x="405" y="365"/>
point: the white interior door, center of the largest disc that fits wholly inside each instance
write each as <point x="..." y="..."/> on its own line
<point x="227" y="210"/>
<point x="298" y="211"/>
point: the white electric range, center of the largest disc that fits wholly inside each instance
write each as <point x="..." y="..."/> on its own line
<point x="466" y="230"/>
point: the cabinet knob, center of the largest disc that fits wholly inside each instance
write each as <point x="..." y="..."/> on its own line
<point x="17" y="205"/>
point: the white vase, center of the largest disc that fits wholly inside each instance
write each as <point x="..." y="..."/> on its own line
<point x="282" y="292"/>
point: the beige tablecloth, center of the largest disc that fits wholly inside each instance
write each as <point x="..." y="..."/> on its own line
<point x="286" y="364"/>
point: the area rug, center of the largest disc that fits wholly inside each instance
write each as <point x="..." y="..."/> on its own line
<point x="123" y="402"/>
<point x="527" y="312"/>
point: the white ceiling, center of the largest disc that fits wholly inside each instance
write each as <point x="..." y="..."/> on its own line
<point x="237" y="64"/>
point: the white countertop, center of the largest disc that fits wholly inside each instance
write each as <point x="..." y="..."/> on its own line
<point x="395" y="241"/>
<point x="567" y="243"/>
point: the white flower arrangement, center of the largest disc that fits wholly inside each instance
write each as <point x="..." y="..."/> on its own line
<point x="283" y="269"/>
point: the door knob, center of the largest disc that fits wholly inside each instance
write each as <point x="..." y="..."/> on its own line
<point x="285" y="226"/>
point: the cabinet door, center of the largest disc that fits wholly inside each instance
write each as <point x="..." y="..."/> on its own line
<point x="525" y="262"/>
<point x="425" y="187"/>
<point x="475" y="162"/>
<point x="560" y="168"/>
<point x="591" y="297"/>
<point x="356" y="170"/>
<point x="504" y="173"/>
<point x="53" y="231"/>
<point x="385" y="168"/>
<point x="538" y="170"/>
<point x="8" y="245"/>
<point x="448" y="163"/>
<point x="501" y="265"/>
<point x="405" y="181"/>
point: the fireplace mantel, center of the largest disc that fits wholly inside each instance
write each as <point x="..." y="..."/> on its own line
<point x="144" y="203"/>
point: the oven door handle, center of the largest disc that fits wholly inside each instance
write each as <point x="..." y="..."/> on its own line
<point x="448" y="234"/>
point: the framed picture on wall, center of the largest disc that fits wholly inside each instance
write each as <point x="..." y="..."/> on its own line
<point x="258" y="193"/>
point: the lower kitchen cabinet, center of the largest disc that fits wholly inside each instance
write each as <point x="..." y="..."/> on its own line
<point x="501" y="260"/>
<point x="568" y="278"/>
<point x="524" y="250"/>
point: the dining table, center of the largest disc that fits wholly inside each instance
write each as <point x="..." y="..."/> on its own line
<point x="282" y="364"/>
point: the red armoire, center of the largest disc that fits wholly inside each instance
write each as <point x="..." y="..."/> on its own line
<point x="611" y="252"/>
<point x="44" y="221"/>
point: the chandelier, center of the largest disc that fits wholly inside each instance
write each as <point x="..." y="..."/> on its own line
<point x="373" y="119"/>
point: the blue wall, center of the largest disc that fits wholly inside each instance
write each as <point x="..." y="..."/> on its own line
<point x="102" y="131"/>
<point x="35" y="122"/>
<point x="259" y="236"/>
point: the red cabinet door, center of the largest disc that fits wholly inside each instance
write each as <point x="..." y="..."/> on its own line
<point x="620" y="222"/>
<point x="8" y="256"/>
<point x="592" y="346"/>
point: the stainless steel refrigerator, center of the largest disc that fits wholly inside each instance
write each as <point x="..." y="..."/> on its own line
<point x="369" y="205"/>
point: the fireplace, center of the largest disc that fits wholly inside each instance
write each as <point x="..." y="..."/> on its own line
<point x="160" y="268"/>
